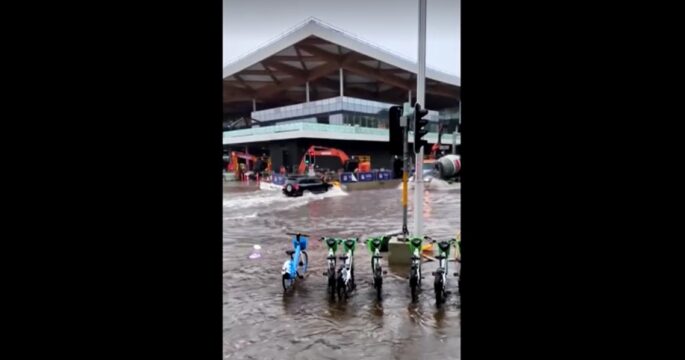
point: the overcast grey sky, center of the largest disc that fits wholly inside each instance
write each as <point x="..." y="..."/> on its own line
<point x="391" y="24"/>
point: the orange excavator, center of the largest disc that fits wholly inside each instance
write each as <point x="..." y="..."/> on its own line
<point x="364" y="166"/>
<point x="233" y="164"/>
<point x="315" y="151"/>
<point x="436" y="147"/>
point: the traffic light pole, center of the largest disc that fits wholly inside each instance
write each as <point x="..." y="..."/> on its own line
<point x="405" y="174"/>
<point x="456" y="130"/>
<point x="420" y="98"/>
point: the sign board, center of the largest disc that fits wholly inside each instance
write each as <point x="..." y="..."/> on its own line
<point x="347" y="178"/>
<point x="278" y="179"/>
<point x="366" y="176"/>
<point x="384" y="175"/>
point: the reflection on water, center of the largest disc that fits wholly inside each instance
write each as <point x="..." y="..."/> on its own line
<point x="260" y="322"/>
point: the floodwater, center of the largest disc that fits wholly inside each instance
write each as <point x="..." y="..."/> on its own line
<point x="260" y="322"/>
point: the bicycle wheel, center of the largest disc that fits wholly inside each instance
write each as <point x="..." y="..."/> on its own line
<point x="439" y="290"/>
<point x="287" y="282"/>
<point x="459" y="283"/>
<point x="331" y="279"/>
<point x="304" y="262"/>
<point x="413" y="282"/>
<point x="378" y="281"/>
<point x="331" y="284"/>
<point x="345" y="291"/>
<point x="420" y="275"/>
<point x="353" y="285"/>
<point x="341" y="287"/>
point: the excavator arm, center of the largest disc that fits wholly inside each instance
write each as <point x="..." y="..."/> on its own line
<point x="436" y="146"/>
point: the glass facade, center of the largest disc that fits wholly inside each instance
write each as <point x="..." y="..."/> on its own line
<point x="449" y="117"/>
<point x="343" y="111"/>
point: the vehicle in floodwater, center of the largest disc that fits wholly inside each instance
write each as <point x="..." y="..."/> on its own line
<point x="446" y="168"/>
<point x="297" y="185"/>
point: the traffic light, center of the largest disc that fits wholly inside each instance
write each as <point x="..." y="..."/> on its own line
<point x="420" y="129"/>
<point x="396" y="134"/>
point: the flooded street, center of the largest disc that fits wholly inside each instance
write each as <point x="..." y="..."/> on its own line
<point x="260" y="322"/>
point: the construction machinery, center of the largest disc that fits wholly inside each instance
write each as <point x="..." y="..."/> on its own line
<point x="435" y="149"/>
<point x="448" y="166"/>
<point x="309" y="158"/>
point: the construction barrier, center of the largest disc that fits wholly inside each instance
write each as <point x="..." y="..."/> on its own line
<point x="366" y="176"/>
<point x="375" y="175"/>
<point x="347" y="178"/>
<point x="278" y="179"/>
<point x="384" y="175"/>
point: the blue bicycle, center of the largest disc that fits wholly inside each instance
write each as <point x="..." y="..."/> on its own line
<point x="296" y="267"/>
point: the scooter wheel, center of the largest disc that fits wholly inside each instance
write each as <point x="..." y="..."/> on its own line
<point x="439" y="291"/>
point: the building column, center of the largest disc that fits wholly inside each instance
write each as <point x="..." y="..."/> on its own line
<point x="409" y="97"/>
<point x="307" y="89"/>
<point x="341" y="82"/>
<point x="247" y="152"/>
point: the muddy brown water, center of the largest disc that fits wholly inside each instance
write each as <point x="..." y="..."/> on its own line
<point x="260" y="322"/>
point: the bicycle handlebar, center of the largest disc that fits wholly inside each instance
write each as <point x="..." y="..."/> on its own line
<point x="331" y="237"/>
<point x="450" y="240"/>
<point x="297" y="234"/>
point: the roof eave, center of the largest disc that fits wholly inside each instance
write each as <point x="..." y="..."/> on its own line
<point x="313" y="28"/>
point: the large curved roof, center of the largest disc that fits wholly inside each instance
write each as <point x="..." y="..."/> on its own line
<point x="313" y="52"/>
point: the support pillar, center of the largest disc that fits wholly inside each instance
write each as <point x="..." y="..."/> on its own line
<point x="307" y="90"/>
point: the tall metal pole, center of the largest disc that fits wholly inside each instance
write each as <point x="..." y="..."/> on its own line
<point x="405" y="174"/>
<point x="307" y="89"/>
<point x="456" y="130"/>
<point x="421" y="99"/>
